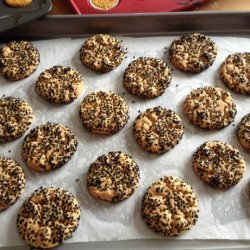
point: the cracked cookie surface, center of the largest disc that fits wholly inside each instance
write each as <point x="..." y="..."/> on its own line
<point x="219" y="164"/>
<point x="158" y="129"/>
<point x="59" y="84"/>
<point x="147" y="77"/>
<point x="193" y="53"/>
<point x="48" y="217"/>
<point x="12" y="182"/>
<point x="113" y="177"/>
<point x="104" y="112"/>
<point x="210" y="108"/>
<point x="235" y="72"/>
<point x="49" y="146"/>
<point x="102" y="53"/>
<point x="170" y="206"/>
<point x="18" y="60"/>
<point x="16" y="116"/>
<point x="243" y="132"/>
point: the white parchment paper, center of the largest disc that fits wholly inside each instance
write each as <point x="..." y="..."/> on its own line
<point x="224" y="214"/>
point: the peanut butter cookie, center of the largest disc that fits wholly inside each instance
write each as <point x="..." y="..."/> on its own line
<point x="16" y="115"/>
<point x="235" y="72"/>
<point x="170" y="206"/>
<point x="210" y="108"/>
<point x="48" y="217"/>
<point x="59" y="84"/>
<point x="49" y="146"/>
<point x="113" y="177"/>
<point x="147" y="77"/>
<point x="12" y="182"/>
<point x="102" y="53"/>
<point x="193" y="53"/>
<point x="219" y="164"/>
<point x="104" y="112"/>
<point x="18" y="60"/>
<point x="158" y="129"/>
<point x="243" y="132"/>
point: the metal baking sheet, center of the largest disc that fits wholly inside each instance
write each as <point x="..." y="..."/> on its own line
<point x="237" y="23"/>
<point x="134" y="25"/>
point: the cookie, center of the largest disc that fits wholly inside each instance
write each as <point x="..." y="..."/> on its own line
<point x="192" y="53"/>
<point x="12" y="182"/>
<point x="210" y="108"/>
<point x="49" y="146"/>
<point x="147" y="77"/>
<point x="104" y="112"/>
<point x="235" y="72"/>
<point x="157" y="130"/>
<point x="16" y="115"/>
<point x="18" y="3"/>
<point x="102" y="53"/>
<point x="59" y="84"/>
<point x="104" y="5"/>
<point x="48" y="217"/>
<point x="170" y="206"/>
<point x="243" y="132"/>
<point x="113" y="177"/>
<point x="219" y="164"/>
<point x="18" y="60"/>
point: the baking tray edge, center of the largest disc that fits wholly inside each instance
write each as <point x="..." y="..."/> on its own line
<point x="133" y="24"/>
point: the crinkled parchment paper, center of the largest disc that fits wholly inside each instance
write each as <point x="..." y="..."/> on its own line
<point x="224" y="214"/>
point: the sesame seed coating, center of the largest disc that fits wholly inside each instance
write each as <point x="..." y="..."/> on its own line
<point x="104" y="112"/>
<point x="59" y="84"/>
<point x="210" y="108"/>
<point x="49" y="146"/>
<point x="147" y="77"/>
<point x="113" y="177"/>
<point x="18" y="60"/>
<point x="219" y="164"/>
<point x="193" y="53"/>
<point x="16" y="115"/>
<point x="170" y="206"/>
<point x="243" y="132"/>
<point x="48" y="217"/>
<point x="235" y="72"/>
<point x="157" y="130"/>
<point x="102" y="53"/>
<point x="12" y="182"/>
